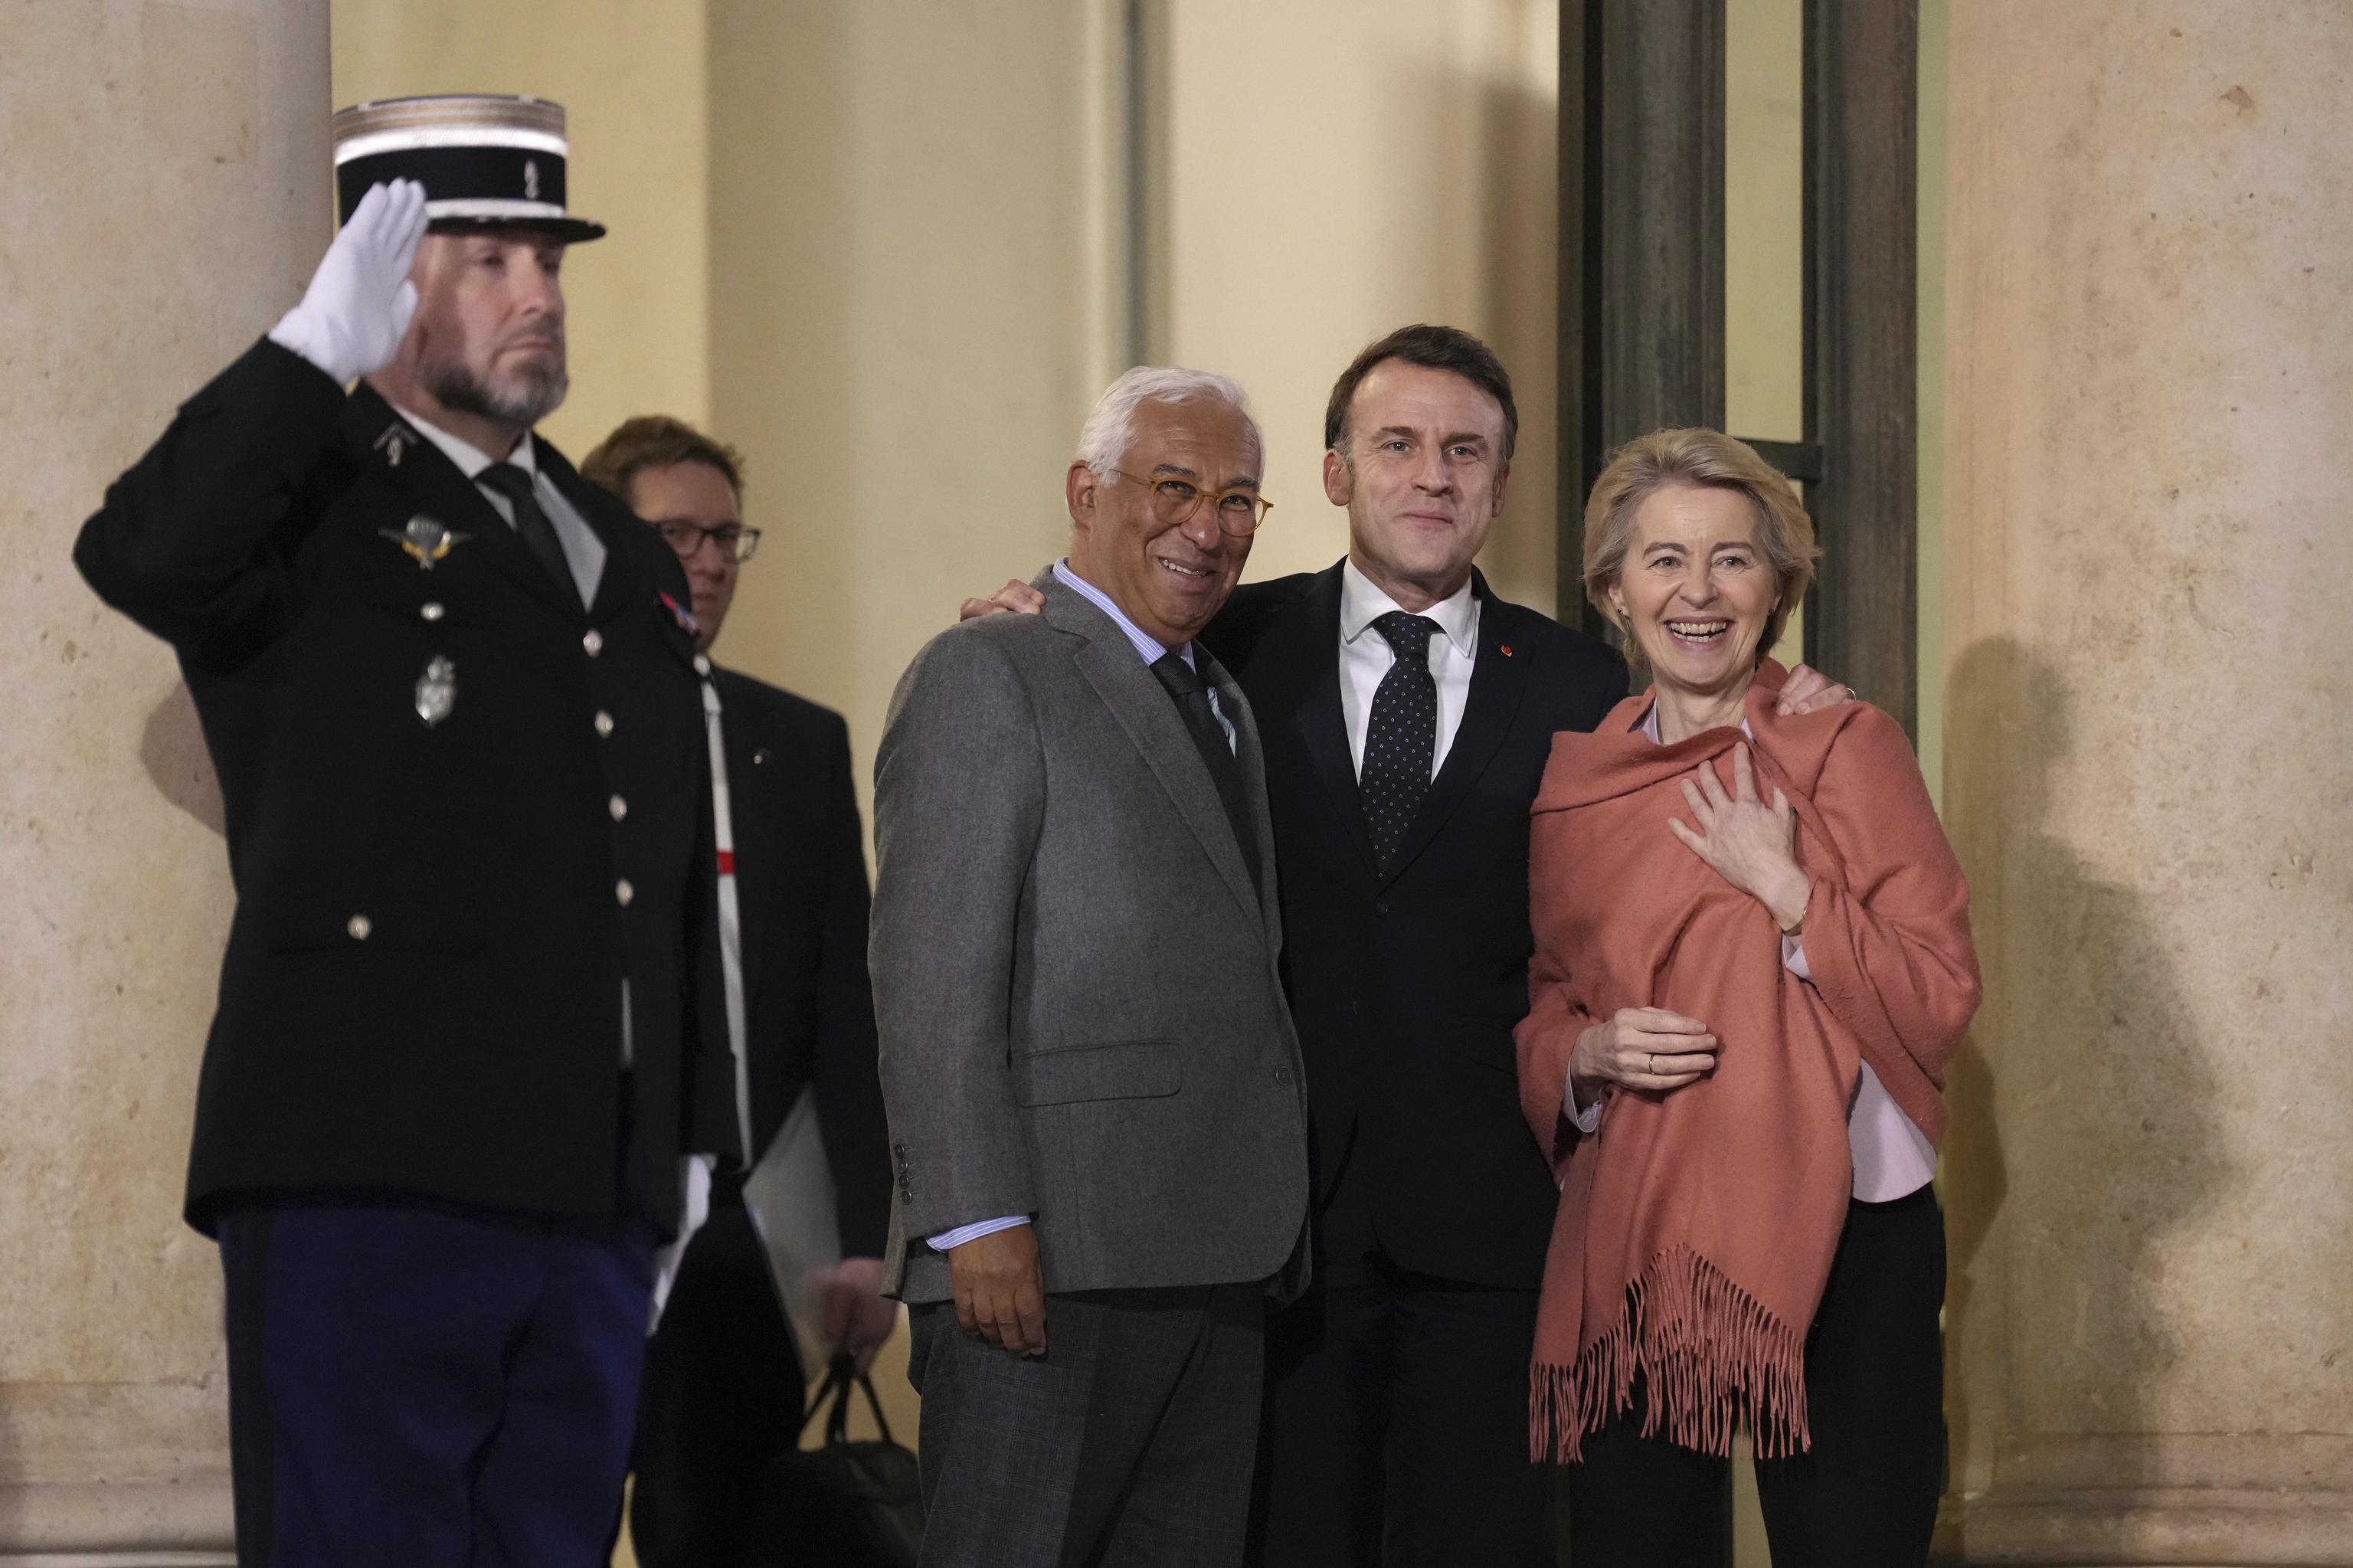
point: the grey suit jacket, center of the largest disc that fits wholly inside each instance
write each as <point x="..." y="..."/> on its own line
<point x="1074" y="978"/>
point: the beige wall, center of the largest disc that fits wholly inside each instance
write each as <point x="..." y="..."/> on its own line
<point x="2148" y="386"/>
<point x="901" y="341"/>
<point x="163" y="212"/>
<point x="1336" y="168"/>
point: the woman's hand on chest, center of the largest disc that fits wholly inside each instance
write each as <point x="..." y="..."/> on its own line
<point x="1746" y="839"/>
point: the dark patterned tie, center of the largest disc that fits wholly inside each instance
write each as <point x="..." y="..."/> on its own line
<point x="1192" y="698"/>
<point x="1401" y="735"/>
<point x="530" y="523"/>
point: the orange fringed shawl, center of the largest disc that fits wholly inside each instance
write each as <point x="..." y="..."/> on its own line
<point x="1695" y="1229"/>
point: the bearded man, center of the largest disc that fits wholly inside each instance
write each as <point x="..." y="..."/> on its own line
<point x="462" y="1045"/>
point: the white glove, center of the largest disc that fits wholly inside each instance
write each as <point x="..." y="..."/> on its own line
<point x="356" y="310"/>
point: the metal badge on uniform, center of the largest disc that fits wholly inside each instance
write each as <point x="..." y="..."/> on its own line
<point x="424" y="541"/>
<point x="391" y="442"/>
<point x="437" y="691"/>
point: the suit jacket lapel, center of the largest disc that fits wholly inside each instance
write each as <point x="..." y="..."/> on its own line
<point x="441" y="491"/>
<point x="1307" y="644"/>
<point x="1498" y="681"/>
<point x="1141" y="705"/>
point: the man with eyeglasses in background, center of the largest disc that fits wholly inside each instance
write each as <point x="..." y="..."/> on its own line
<point x="724" y="1387"/>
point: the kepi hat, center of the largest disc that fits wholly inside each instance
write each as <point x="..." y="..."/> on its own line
<point x="485" y="159"/>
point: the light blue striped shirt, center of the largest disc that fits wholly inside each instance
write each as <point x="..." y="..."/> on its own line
<point x="1147" y="647"/>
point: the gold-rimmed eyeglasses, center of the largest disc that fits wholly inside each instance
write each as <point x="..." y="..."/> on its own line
<point x="1173" y="501"/>
<point x="735" y="542"/>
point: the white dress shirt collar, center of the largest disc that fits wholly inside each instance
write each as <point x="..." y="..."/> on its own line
<point x="1649" y="726"/>
<point x="471" y="458"/>
<point x="1362" y="603"/>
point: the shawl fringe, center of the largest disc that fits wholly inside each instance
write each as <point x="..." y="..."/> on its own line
<point x="1710" y="1357"/>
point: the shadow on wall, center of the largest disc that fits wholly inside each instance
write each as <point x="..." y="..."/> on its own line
<point x="2081" y="1116"/>
<point x="172" y="748"/>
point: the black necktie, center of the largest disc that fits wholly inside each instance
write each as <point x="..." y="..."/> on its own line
<point x="1402" y="734"/>
<point x="1209" y="738"/>
<point x="532" y="523"/>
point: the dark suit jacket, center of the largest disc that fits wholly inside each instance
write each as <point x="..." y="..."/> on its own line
<point x="422" y="991"/>
<point x="1405" y="987"/>
<point x="801" y="895"/>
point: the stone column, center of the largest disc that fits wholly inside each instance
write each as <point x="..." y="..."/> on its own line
<point x="163" y="171"/>
<point x="2149" y="515"/>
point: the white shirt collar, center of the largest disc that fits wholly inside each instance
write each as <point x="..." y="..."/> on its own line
<point x="1362" y="603"/>
<point x="471" y="458"/>
<point x="1651" y="725"/>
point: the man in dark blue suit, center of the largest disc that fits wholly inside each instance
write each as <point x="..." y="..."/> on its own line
<point x="724" y="1384"/>
<point x="1407" y="712"/>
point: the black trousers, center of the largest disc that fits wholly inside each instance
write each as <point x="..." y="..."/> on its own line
<point x="1864" y="1495"/>
<point x="1396" y="1427"/>
<point x="1127" y="1444"/>
<point x="721" y="1395"/>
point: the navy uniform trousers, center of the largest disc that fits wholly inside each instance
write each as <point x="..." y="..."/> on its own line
<point x="417" y="1385"/>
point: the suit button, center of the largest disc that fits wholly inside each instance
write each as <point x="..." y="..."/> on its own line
<point x="1283" y="1075"/>
<point x="430" y="610"/>
<point x="604" y="722"/>
<point x="618" y="806"/>
<point x="594" y="642"/>
<point x="623" y="891"/>
<point x="359" y="925"/>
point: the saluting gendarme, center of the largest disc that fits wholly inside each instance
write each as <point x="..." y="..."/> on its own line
<point x="450" y="694"/>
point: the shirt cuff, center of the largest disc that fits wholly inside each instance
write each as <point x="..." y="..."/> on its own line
<point x="1586" y="1121"/>
<point x="1793" y="956"/>
<point x="974" y="1232"/>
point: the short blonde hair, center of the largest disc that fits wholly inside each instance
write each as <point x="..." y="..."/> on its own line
<point x="1695" y="455"/>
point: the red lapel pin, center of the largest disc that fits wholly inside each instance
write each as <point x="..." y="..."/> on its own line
<point x="1507" y="650"/>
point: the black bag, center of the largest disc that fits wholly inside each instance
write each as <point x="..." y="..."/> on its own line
<point x="846" y="1505"/>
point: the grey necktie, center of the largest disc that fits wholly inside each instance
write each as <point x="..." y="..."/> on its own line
<point x="532" y="523"/>
<point x="1192" y="696"/>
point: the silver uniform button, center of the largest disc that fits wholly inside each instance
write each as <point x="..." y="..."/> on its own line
<point x="431" y="609"/>
<point x="623" y="891"/>
<point x="618" y="806"/>
<point x="594" y="641"/>
<point x="359" y="925"/>
<point x="604" y="722"/>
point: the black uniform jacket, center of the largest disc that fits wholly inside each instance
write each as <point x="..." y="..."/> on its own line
<point x="801" y="895"/>
<point x="423" y="988"/>
<point x="1405" y="986"/>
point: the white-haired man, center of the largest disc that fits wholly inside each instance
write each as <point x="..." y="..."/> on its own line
<point x="1092" y="1082"/>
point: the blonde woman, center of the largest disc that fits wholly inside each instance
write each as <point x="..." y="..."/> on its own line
<point x="1753" y="960"/>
